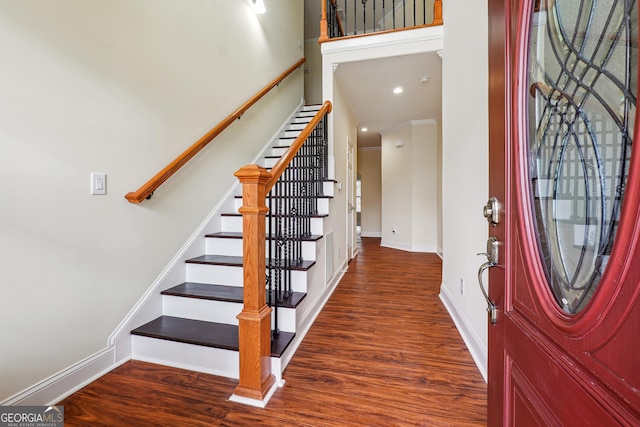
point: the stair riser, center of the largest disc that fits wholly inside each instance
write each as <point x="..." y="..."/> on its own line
<point x="216" y="361"/>
<point x="233" y="276"/>
<point x="224" y="363"/>
<point x="220" y="311"/>
<point x="295" y="127"/>
<point x="323" y="205"/>
<point x="234" y="224"/>
<point x="233" y="247"/>
<point x="289" y="133"/>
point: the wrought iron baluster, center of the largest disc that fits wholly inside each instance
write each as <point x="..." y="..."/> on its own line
<point x="355" y="15"/>
<point x="404" y="13"/>
<point x="393" y="9"/>
<point x="364" y="16"/>
<point x="384" y="17"/>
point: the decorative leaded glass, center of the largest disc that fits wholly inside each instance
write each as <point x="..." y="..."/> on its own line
<point x="581" y="111"/>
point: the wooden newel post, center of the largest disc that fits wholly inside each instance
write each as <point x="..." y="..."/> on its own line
<point x="254" y="321"/>
<point x="324" y="32"/>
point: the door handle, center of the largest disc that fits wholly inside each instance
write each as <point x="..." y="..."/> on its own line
<point x="492" y="255"/>
<point x="492" y="309"/>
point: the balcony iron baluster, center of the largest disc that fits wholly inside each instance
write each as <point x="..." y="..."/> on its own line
<point x="404" y="13"/>
<point x="364" y="16"/>
<point x="355" y="17"/>
<point x="393" y="8"/>
<point x="384" y="17"/>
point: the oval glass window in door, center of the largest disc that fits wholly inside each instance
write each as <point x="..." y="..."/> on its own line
<point x="581" y="111"/>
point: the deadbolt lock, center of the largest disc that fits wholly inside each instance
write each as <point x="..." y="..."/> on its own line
<point x="491" y="211"/>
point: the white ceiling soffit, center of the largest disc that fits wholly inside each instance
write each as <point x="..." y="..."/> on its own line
<point x="369" y="86"/>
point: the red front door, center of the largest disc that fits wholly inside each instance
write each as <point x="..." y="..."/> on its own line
<point x="565" y="346"/>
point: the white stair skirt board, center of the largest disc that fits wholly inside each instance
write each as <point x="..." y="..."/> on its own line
<point x="476" y="348"/>
<point x="209" y="360"/>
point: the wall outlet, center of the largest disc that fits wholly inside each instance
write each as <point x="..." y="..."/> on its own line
<point x="461" y="286"/>
<point x="337" y="252"/>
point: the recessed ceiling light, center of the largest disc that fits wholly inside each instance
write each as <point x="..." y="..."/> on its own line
<point x="398" y="90"/>
<point x="364" y="129"/>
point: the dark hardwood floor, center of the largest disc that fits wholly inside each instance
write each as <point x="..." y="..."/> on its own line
<point x="383" y="352"/>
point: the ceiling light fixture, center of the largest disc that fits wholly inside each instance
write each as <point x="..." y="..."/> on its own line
<point x="258" y="6"/>
<point x="398" y="90"/>
<point x="364" y="129"/>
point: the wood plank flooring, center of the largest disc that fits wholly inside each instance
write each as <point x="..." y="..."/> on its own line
<point x="383" y="352"/>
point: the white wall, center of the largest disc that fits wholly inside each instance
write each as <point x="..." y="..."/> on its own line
<point x="120" y="87"/>
<point x="409" y="194"/>
<point x="370" y="169"/>
<point x="342" y="126"/>
<point x="397" y="188"/>
<point x="464" y="167"/>
<point x="425" y="208"/>
<point x="313" y="72"/>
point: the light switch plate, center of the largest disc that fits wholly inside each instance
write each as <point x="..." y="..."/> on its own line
<point x="98" y="183"/>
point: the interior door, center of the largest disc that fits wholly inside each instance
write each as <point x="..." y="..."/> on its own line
<point x="564" y="271"/>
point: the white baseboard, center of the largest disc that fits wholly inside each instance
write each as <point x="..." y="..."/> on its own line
<point x="66" y="382"/>
<point x="474" y="345"/>
<point x="408" y="247"/>
<point x="371" y="234"/>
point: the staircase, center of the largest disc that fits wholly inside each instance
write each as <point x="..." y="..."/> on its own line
<point x="198" y="329"/>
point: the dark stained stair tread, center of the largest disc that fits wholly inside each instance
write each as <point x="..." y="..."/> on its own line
<point x="208" y="334"/>
<point x="222" y="293"/>
<point x="237" y="261"/>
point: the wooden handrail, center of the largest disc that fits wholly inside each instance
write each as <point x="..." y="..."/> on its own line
<point x="254" y="322"/>
<point x="146" y="191"/>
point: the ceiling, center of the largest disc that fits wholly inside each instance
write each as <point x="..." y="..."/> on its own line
<point x="369" y="86"/>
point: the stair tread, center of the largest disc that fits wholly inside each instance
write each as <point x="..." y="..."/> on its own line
<point x="238" y="235"/>
<point x="208" y="334"/>
<point x="222" y="293"/>
<point x="237" y="261"/>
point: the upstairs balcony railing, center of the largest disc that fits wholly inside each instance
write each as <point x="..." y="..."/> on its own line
<point x="345" y="18"/>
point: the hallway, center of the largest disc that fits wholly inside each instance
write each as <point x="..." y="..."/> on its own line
<point x="383" y="352"/>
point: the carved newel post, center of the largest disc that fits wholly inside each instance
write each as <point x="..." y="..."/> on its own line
<point x="255" y="319"/>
